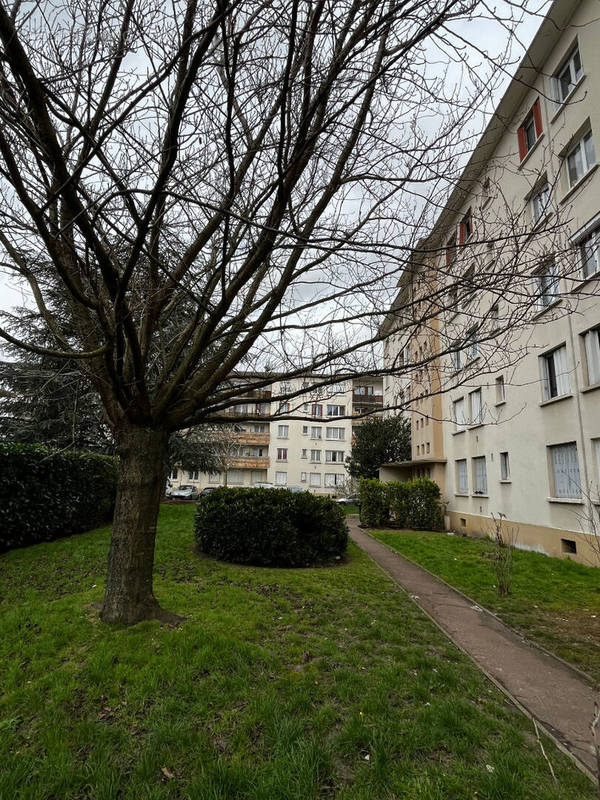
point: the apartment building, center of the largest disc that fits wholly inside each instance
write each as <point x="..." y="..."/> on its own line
<point x="301" y="442"/>
<point x="513" y="261"/>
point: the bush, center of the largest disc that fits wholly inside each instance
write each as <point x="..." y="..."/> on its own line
<point x="374" y="502"/>
<point x="270" y="527"/>
<point x="46" y="494"/>
<point x="408" y="504"/>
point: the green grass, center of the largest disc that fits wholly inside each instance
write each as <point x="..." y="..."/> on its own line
<point x="554" y="602"/>
<point x="350" y="510"/>
<point x="281" y="685"/>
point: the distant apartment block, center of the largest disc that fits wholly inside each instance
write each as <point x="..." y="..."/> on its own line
<point x="307" y="443"/>
<point x="506" y="414"/>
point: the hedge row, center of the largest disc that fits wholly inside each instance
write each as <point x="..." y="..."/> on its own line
<point x="407" y="504"/>
<point x="270" y="527"/>
<point x="46" y="494"/>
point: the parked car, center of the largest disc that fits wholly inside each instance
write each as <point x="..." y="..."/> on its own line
<point x="351" y="500"/>
<point x="168" y="488"/>
<point x="185" y="492"/>
<point x="208" y="490"/>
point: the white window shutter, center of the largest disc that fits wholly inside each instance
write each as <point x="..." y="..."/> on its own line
<point x="592" y="354"/>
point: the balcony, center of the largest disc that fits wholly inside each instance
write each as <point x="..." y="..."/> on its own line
<point x="247" y="437"/>
<point x="367" y="399"/>
<point x="250" y="462"/>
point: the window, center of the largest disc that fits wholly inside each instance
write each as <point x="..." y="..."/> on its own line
<point x="173" y="474"/>
<point x="281" y="478"/>
<point x="539" y="203"/>
<point x="500" y="389"/>
<point x="282" y="454"/>
<point x="471" y="345"/>
<point x="465" y="229"/>
<point x="258" y="476"/>
<point x="315" y="432"/>
<point x="316" y="410"/>
<point x="283" y="431"/>
<point x="456" y="358"/>
<point x="259" y="427"/>
<point x="555" y="374"/>
<point x="285" y="387"/>
<point x="305" y="430"/>
<point x="451" y="251"/>
<point x="504" y="467"/>
<point x="476" y="407"/>
<point x="303" y="477"/>
<point x="479" y="475"/>
<point x="459" y="414"/>
<point x="546" y="285"/>
<point x="283" y="408"/>
<point x="592" y="355"/>
<point x="581" y="159"/>
<point x="193" y="474"/>
<point x="315" y="455"/>
<point x="334" y="479"/>
<point x="462" y="480"/>
<point x="564" y="467"/>
<point x="494" y="317"/>
<point x="335" y="433"/>
<point x="530" y="130"/>
<point x="590" y="253"/>
<point x="363" y="390"/>
<point x="314" y="479"/>
<point x="235" y="476"/>
<point x="336" y="411"/>
<point x="568" y="76"/>
<point x="214" y="477"/>
<point x="334" y="456"/>
<point x="304" y="453"/>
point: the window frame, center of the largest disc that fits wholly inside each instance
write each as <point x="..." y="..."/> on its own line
<point x="460" y="426"/>
<point x="592" y="237"/>
<point x="475" y="461"/>
<point x="281" y="435"/>
<point x="543" y="298"/>
<point x="504" y="466"/>
<point x="554" y="378"/>
<point x="465" y="227"/>
<point x="556" y="490"/>
<point x="479" y="420"/>
<point x="282" y="457"/>
<point x="579" y="146"/>
<point x="544" y="206"/>
<point x="533" y="119"/>
<point x="461" y="487"/>
<point x="591" y="346"/>
<point x="568" y="64"/>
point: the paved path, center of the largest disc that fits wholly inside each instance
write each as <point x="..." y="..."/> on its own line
<point x="556" y="696"/>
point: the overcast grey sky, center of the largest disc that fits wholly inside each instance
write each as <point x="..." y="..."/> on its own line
<point x="486" y="35"/>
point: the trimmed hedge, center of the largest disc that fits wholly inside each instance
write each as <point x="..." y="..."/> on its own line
<point x="270" y="527"/>
<point x="46" y="494"/>
<point x="408" y="504"/>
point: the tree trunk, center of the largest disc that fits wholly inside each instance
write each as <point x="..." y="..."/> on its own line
<point x="142" y="473"/>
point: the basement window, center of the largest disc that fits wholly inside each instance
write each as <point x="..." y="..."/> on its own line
<point x="568" y="546"/>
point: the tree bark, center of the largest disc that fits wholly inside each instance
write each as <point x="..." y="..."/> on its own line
<point x="129" y="597"/>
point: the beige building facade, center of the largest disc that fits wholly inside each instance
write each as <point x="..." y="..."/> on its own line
<point x="305" y="446"/>
<point x="513" y="392"/>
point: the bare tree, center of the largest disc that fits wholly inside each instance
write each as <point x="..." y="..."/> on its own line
<point x="191" y="189"/>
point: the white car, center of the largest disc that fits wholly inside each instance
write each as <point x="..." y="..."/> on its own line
<point x="185" y="492"/>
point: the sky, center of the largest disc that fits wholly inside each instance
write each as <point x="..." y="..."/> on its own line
<point x="484" y="33"/>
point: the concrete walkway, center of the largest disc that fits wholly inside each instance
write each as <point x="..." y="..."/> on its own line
<point x="558" y="697"/>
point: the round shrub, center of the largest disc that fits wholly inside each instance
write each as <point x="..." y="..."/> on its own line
<point x="270" y="527"/>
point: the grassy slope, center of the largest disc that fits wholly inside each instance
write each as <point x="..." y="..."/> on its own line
<point x="554" y="602"/>
<point x="281" y="684"/>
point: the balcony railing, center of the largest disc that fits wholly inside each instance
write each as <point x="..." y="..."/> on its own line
<point x="367" y="399"/>
<point x="248" y="437"/>
<point x="250" y="462"/>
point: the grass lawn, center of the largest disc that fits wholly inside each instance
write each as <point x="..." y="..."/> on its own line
<point x="554" y="602"/>
<point x="282" y="684"/>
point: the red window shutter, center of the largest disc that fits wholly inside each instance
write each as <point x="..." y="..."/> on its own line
<point x="447" y="256"/>
<point x="537" y="118"/>
<point x="461" y="233"/>
<point x="522" y="143"/>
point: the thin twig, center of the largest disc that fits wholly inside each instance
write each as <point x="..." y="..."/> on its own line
<point x="537" y="735"/>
